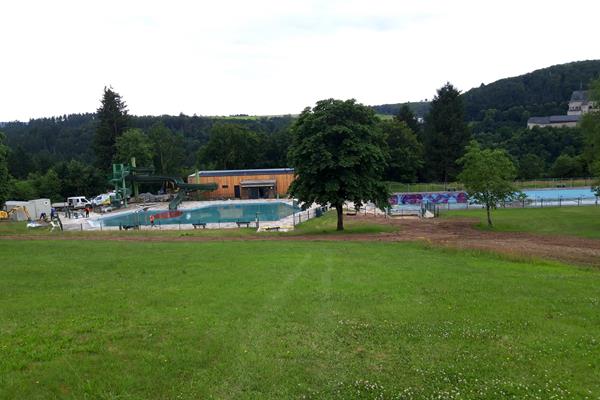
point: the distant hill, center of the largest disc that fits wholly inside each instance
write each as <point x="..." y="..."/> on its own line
<point x="511" y="101"/>
<point x="419" y="108"/>
<point x="541" y="92"/>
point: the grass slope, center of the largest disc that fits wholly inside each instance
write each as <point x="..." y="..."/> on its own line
<point x="576" y="221"/>
<point x="291" y="319"/>
<point x="317" y="226"/>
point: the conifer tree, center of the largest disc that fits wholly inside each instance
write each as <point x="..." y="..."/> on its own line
<point x="446" y="134"/>
<point x="4" y="177"/>
<point x="112" y="121"/>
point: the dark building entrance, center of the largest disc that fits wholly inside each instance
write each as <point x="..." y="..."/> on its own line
<point x="258" y="189"/>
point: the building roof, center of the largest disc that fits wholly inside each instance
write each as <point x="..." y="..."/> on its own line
<point x="242" y="172"/>
<point x="258" y="183"/>
<point x="554" y="119"/>
<point x="579" y="95"/>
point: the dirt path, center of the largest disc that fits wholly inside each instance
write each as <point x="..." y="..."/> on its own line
<point x="461" y="233"/>
<point x="455" y="233"/>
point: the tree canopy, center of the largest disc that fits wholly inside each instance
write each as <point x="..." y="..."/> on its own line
<point x="4" y="177"/>
<point x="408" y="117"/>
<point x="112" y="121"/>
<point x="134" y="143"/>
<point x="445" y="135"/>
<point x="167" y="147"/>
<point x="405" y="152"/>
<point x="591" y="128"/>
<point x="231" y="146"/>
<point x="488" y="176"/>
<point x="339" y="155"/>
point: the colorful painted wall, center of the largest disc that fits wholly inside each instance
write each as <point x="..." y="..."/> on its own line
<point x="400" y="199"/>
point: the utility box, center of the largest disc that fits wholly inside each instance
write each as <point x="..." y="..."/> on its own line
<point x="39" y="207"/>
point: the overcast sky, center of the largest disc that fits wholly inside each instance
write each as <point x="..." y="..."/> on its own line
<point x="273" y="57"/>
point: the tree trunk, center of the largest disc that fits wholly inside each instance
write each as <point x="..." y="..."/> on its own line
<point x="340" y="217"/>
<point x="489" y="217"/>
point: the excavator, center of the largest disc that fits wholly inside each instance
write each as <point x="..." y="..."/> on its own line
<point x="39" y="223"/>
<point x="5" y="215"/>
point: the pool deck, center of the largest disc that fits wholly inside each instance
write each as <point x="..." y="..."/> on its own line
<point x="94" y="220"/>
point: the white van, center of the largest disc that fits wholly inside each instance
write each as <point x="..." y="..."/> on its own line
<point x="78" y="202"/>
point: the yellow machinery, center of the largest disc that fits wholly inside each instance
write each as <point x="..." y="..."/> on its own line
<point x="4" y="215"/>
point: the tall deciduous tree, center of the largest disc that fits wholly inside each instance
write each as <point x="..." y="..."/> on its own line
<point x="167" y="147"/>
<point x="230" y="146"/>
<point x="4" y="177"/>
<point x="488" y="176"/>
<point x="48" y="186"/>
<point x="446" y="134"/>
<point x="80" y="179"/>
<point x="134" y="143"/>
<point x="339" y="154"/>
<point x="406" y="153"/>
<point x="112" y="122"/>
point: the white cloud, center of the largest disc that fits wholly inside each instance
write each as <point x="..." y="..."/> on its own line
<point x="272" y="57"/>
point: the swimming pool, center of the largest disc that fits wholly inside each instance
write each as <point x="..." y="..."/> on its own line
<point x="555" y="194"/>
<point x="212" y="213"/>
<point x="460" y="199"/>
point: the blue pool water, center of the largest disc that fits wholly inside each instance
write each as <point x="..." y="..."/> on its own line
<point x="214" y="213"/>
<point x="555" y="194"/>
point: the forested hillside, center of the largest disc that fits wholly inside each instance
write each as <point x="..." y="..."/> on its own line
<point x="511" y="101"/>
<point x="497" y="115"/>
<point x="53" y="157"/>
<point x="419" y="108"/>
<point x="46" y="141"/>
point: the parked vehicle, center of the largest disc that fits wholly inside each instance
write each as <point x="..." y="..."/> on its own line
<point x="104" y="199"/>
<point x="78" y="202"/>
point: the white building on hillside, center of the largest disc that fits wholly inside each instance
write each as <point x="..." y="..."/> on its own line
<point x="578" y="105"/>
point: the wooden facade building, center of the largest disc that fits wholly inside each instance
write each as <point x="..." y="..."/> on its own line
<point x="246" y="183"/>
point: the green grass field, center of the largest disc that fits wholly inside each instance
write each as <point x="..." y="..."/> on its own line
<point x="316" y="226"/>
<point x="272" y="319"/>
<point x="575" y="221"/>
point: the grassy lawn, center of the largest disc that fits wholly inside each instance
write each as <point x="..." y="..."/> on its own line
<point x="133" y="320"/>
<point x="576" y="221"/>
<point x="316" y="226"/>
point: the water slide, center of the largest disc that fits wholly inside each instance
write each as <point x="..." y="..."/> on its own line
<point x="176" y="182"/>
<point x="124" y="174"/>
